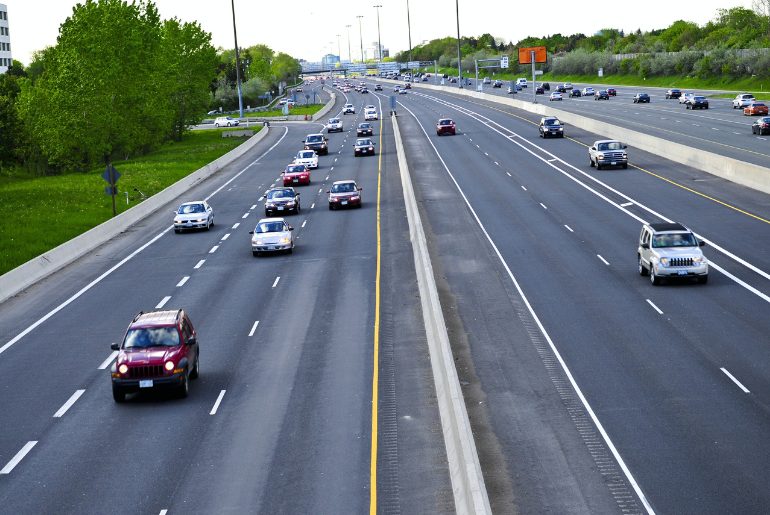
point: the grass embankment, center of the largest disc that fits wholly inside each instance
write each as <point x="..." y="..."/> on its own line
<point x="296" y="110"/>
<point x="40" y="213"/>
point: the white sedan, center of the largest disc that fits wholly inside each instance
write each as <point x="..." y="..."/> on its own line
<point x="588" y="92"/>
<point x="556" y="96"/>
<point x="307" y="157"/>
<point x="193" y="215"/>
<point x="370" y="114"/>
<point x="272" y="235"/>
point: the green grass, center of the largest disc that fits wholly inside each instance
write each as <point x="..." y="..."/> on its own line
<point x="43" y="212"/>
<point x="298" y="109"/>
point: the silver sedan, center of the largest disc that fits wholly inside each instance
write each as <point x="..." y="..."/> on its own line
<point x="193" y="215"/>
<point x="272" y="235"/>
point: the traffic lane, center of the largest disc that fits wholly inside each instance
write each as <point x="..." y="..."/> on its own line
<point x="619" y="303"/>
<point x="532" y="456"/>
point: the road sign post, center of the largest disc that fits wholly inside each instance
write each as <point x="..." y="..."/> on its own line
<point x="111" y="176"/>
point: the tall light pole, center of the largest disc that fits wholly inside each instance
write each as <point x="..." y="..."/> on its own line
<point x="379" y="40"/>
<point x="339" y="52"/>
<point x="361" y="36"/>
<point x="350" y="55"/>
<point x="459" y="56"/>
<point x="237" y="64"/>
<point x="409" y="29"/>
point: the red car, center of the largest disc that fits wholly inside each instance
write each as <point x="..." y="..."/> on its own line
<point x="445" y="126"/>
<point x="755" y="108"/>
<point x="344" y="194"/>
<point x="612" y="92"/>
<point x="296" y="174"/>
<point x="159" y="350"/>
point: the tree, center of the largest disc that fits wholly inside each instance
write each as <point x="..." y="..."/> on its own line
<point x="284" y="68"/>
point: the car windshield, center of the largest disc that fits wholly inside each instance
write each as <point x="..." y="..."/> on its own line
<point x="187" y="209"/>
<point x="363" y="142"/>
<point x="698" y="98"/>
<point x="276" y="194"/>
<point x="685" y="239"/>
<point x="612" y="145"/>
<point x="145" y="337"/>
<point x="445" y="122"/>
<point x="334" y="120"/>
<point x="757" y="104"/>
<point x="345" y="187"/>
<point x="295" y="168"/>
<point x="552" y="121"/>
<point x="306" y="154"/>
<point x="264" y="227"/>
<point x="316" y="138"/>
<point x="364" y="126"/>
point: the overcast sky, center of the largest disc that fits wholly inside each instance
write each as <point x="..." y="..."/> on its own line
<point x="308" y="29"/>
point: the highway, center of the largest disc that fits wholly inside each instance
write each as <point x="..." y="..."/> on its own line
<point x="589" y="390"/>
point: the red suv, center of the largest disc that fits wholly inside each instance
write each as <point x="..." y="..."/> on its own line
<point x="445" y="126"/>
<point x="159" y="350"/>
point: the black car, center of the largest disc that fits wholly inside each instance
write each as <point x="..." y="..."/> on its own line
<point x="697" y="102"/>
<point x="497" y="84"/>
<point x="316" y="142"/>
<point x="574" y="92"/>
<point x="561" y="89"/>
<point x="601" y="95"/>
<point x="761" y="126"/>
<point x="547" y="87"/>
<point x="551" y="126"/>
<point x="641" y="98"/>
<point x="363" y="147"/>
<point x="281" y="200"/>
<point x="673" y="93"/>
<point x="539" y="90"/>
<point x="364" y="129"/>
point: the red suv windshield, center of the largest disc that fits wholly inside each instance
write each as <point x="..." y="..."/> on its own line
<point x="145" y="337"/>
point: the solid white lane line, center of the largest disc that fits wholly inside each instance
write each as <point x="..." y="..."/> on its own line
<point x="225" y="236"/>
<point x="199" y="264"/>
<point x="303" y="223"/>
<point x="734" y="380"/>
<point x="67" y="405"/>
<point x="235" y="226"/>
<point x="184" y="280"/>
<point x="569" y="228"/>
<point x="245" y="216"/>
<point x="312" y="205"/>
<point x="253" y="207"/>
<point x="163" y="302"/>
<point x="217" y="403"/>
<point x="276" y="281"/>
<point x="509" y="174"/>
<point x="656" y="308"/>
<point x="543" y="206"/>
<point x="603" y="260"/>
<point x="524" y="188"/>
<point x="254" y="328"/>
<point x="213" y="249"/>
<point x="627" y="204"/>
<point x="110" y="359"/>
<point x="19" y="456"/>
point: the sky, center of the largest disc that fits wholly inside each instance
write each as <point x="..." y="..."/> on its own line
<point x="308" y="29"/>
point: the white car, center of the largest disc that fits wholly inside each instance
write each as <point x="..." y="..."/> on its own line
<point x="349" y="109"/>
<point x="743" y="100"/>
<point x="556" y="96"/>
<point x="272" y="235"/>
<point x="225" y="121"/>
<point x="370" y="114"/>
<point x="588" y="92"/>
<point x="369" y="107"/>
<point x="568" y="85"/>
<point x="521" y="82"/>
<point x="193" y="215"/>
<point x="334" y="125"/>
<point x="307" y="157"/>
<point x="402" y="91"/>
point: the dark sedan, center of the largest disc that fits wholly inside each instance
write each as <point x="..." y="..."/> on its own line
<point x="601" y="95"/>
<point x="561" y="89"/>
<point x="641" y="98"/>
<point x="673" y="93"/>
<point x="539" y="90"/>
<point x="761" y="126"/>
<point x="697" y="102"/>
<point x="574" y="92"/>
<point x="364" y="129"/>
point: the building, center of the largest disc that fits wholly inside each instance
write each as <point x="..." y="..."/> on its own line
<point x="5" y="40"/>
<point x="371" y="53"/>
<point x="330" y="60"/>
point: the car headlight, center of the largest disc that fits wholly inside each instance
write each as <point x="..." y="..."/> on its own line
<point x="257" y="241"/>
<point x="285" y="240"/>
<point x="354" y="197"/>
<point x="123" y="369"/>
<point x="269" y="204"/>
<point x="664" y="261"/>
<point x="699" y="260"/>
<point x="169" y="365"/>
<point x="290" y="203"/>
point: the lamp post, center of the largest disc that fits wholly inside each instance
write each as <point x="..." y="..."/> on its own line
<point x="459" y="56"/>
<point x="379" y="40"/>
<point x="350" y="55"/>
<point x="339" y="52"/>
<point x="409" y="29"/>
<point x="237" y="64"/>
<point x="361" y="36"/>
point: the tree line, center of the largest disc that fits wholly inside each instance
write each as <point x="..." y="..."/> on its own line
<point x="119" y="82"/>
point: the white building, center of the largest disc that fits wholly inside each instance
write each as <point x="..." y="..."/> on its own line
<point x="371" y="53"/>
<point x="5" y="40"/>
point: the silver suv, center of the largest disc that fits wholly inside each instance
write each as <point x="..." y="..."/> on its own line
<point x="608" y="152"/>
<point x="671" y="250"/>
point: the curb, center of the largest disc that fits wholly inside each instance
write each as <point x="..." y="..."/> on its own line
<point x="40" y="267"/>
<point x="470" y="493"/>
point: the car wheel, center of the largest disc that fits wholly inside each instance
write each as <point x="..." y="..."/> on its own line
<point x="642" y="270"/>
<point x="331" y="207"/>
<point x="654" y="279"/>
<point x="703" y="279"/>
<point x="216" y="125"/>
<point x="298" y="208"/>
<point x="598" y="166"/>
<point x="208" y="225"/>
<point x="590" y="162"/>
<point x="118" y="394"/>
<point x="625" y="166"/>
<point x="196" y="368"/>
<point x="184" y="388"/>
<point x="177" y="231"/>
<point x="254" y="253"/>
<point x="290" y="251"/>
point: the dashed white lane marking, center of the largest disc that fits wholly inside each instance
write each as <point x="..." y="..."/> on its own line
<point x="327" y="178"/>
<point x="217" y="403"/>
<point x="486" y="154"/>
<point x="734" y="380"/>
<point x="603" y="260"/>
<point x="762" y="139"/>
<point x="19" y="456"/>
<point x="509" y="174"/>
<point x="498" y="164"/>
<point x="304" y="223"/>
<point x="163" y="512"/>
<point x="110" y="359"/>
<point x="199" y="264"/>
<point x="276" y="281"/>
<point x="254" y="328"/>
<point x="163" y="302"/>
<point x="225" y="236"/>
<point x="312" y="205"/>
<point x="184" y="280"/>
<point x="696" y="125"/>
<point x="253" y="207"/>
<point x="714" y="129"/>
<point x="736" y="132"/>
<point x="335" y="159"/>
<point x="627" y="204"/>
<point x="524" y="188"/>
<point x="67" y="405"/>
<point x="320" y="190"/>
<point x="235" y="226"/>
<point x="543" y="206"/>
<point x="656" y="308"/>
<point x="213" y="249"/>
<point x="246" y="215"/>
<point x="569" y="228"/>
<point x="478" y="146"/>
<point x="261" y="198"/>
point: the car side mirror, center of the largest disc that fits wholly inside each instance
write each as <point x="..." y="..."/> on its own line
<point x="251" y="232"/>
<point x="115" y="346"/>
<point x="593" y="148"/>
<point x="192" y="340"/>
<point x="291" y="227"/>
<point x="328" y="191"/>
<point x="645" y="245"/>
<point x="360" y="189"/>
<point x="701" y="243"/>
<point x="625" y="146"/>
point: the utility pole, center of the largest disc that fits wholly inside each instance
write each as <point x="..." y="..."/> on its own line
<point x="459" y="56"/>
<point x="379" y="40"/>
<point x="350" y="55"/>
<point x="409" y="29"/>
<point x="237" y="64"/>
<point x="361" y="36"/>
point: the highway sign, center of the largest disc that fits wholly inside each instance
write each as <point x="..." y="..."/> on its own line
<point x="538" y="72"/>
<point x="361" y="67"/>
<point x="389" y="66"/>
<point x="111" y="175"/>
<point x="413" y="64"/>
<point x="504" y="61"/>
<point x="525" y="54"/>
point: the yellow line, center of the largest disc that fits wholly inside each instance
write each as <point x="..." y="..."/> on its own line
<point x="376" y="365"/>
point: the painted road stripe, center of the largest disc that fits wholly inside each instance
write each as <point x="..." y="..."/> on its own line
<point x="213" y="249"/>
<point x="225" y="236"/>
<point x="509" y="174"/>
<point x="569" y="228"/>
<point x="163" y="302"/>
<point x="543" y="205"/>
<point x="67" y="405"/>
<point x="331" y="170"/>
<point x="498" y="164"/>
<point x="19" y="456"/>
<point x="320" y="190"/>
<point x="276" y="281"/>
<point x="253" y="207"/>
<point x="110" y="359"/>
<point x="235" y="226"/>
<point x="524" y="188"/>
<point x="656" y="308"/>
<point x="327" y="178"/>
<point x="627" y="204"/>
<point x="304" y="223"/>
<point x="603" y="260"/>
<point x="312" y="205"/>
<point x="200" y="264"/>
<point x="163" y="512"/>
<point x="184" y="280"/>
<point x="254" y="328"/>
<point x="245" y="216"/>
<point x="260" y="198"/>
<point x="216" y="404"/>
<point x="734" y="380"/>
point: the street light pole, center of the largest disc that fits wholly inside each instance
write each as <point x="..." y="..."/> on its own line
<point x="361" y="36"/>
<point x="409" y="29"/>
<point x="237" y="64"/>
<point x="379" y="40"/>
<point x="459" y="56"/>
<point x="350" y="55"/>
<point x="339" y="52"/>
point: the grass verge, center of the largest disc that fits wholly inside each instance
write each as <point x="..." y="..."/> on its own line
<point x="41" y="213"/>
<point x="296" y="110"/>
